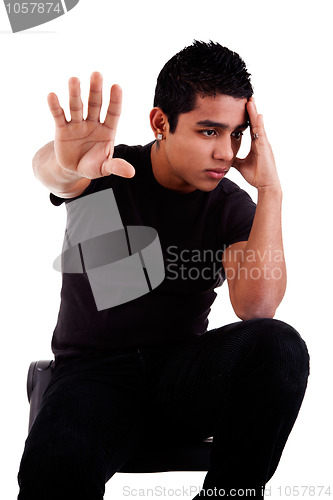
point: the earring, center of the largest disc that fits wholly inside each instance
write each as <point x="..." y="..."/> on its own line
<point x="159" y="137"/>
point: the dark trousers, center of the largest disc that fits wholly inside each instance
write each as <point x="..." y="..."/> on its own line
<point x="243" y="384"/>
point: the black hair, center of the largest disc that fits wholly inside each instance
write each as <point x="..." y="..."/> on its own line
<point x="205" y="69"/>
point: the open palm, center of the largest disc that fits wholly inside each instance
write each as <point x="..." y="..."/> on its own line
<point x="85" y="146"/>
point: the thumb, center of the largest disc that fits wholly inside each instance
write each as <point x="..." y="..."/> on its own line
<point x="237" y="163"/>
<point x="117" y="166"/>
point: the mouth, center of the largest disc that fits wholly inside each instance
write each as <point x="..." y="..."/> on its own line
<point x="216" y="173"/>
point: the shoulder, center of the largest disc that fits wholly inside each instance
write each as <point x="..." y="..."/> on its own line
<point x="228" y="192"/>
<point x="133" y="154"/>
<point x="228" y="188"/>
<point x="237" y="210"/>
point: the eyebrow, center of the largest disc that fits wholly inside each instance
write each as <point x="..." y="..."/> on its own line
<point x="210" y="123"/>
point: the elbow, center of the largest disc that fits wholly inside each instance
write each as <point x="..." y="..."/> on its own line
<point x="35" y="164"/>
<point x="41" y="158"/>
<point x="248" y="313"/>
<point x="256" y="305"/>
<point x="255" y="315"/>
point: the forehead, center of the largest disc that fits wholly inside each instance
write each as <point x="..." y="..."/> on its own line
<point x="220" y="108"/>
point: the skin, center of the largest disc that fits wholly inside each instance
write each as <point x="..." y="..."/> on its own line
<point x="83" y="148"/>
<point x="255" y="269"/>
<point x="180" y="161"/>
<point x="206" y="138"/>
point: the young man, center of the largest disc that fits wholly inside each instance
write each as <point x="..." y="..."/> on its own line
<point x="148" y="366"/>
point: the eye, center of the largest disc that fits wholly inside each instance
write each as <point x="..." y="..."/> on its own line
<point x="208" y="133"/>
<point x="237" y="135"/>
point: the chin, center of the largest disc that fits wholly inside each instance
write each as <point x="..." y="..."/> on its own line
<point x="209" y="187"/>
<point x="202" y="186"/>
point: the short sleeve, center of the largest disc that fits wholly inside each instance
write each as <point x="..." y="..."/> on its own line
<point x="57" y="200"/>
<point x="238" y="215"/>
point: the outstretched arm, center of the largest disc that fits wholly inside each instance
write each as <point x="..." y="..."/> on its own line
<point x="83" y="148"/>
<point x="255" y="269"/>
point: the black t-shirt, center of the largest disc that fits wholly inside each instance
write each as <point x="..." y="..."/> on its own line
<point x="193" y="230"/>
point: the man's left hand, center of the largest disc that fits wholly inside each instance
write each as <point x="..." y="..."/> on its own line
<point x="258" y="168"/>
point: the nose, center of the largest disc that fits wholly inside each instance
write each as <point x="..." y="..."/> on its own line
<point x="223" y="149"/>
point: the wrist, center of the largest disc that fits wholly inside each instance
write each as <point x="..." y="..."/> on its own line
<point x="69" y="174"/>
<point x="273" y="190"/>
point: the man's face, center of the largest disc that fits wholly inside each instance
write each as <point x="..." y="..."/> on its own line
<point x="203" y="147"/>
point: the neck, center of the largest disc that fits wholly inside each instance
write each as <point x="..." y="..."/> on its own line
<point x="163" y="173"/>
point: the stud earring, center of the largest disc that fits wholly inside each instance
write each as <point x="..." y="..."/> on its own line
<point x="159" y="137"/>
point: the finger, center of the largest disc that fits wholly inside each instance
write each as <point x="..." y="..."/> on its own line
<point x="114" y="109"/>
<point x="117" y="166"/>
<point x="237" y="163"/>
<point x="253" y="103"/>
<point x="95" y="97"/>
<point x="252" y="111"/>
<point x="258" y="129"/>
<point x="256" y="121"/>
<point x="56" y="110"/>
<point x="75" y="102"/>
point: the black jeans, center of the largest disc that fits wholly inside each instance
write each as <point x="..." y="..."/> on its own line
<point x="243" y="384"/>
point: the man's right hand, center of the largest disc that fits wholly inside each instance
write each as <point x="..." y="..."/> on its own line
<point x="85" y="146"/>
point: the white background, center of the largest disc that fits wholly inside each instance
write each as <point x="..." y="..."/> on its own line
<point x="287" y="47"/>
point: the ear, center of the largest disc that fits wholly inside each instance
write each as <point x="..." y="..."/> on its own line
<point x="159" y="122"/>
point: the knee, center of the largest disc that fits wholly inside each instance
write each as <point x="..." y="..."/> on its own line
<point x="283" y="340"/>
<point x="287" y="347"/>
<point x="285" y="351"/>
<point x="54" y="466"/>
